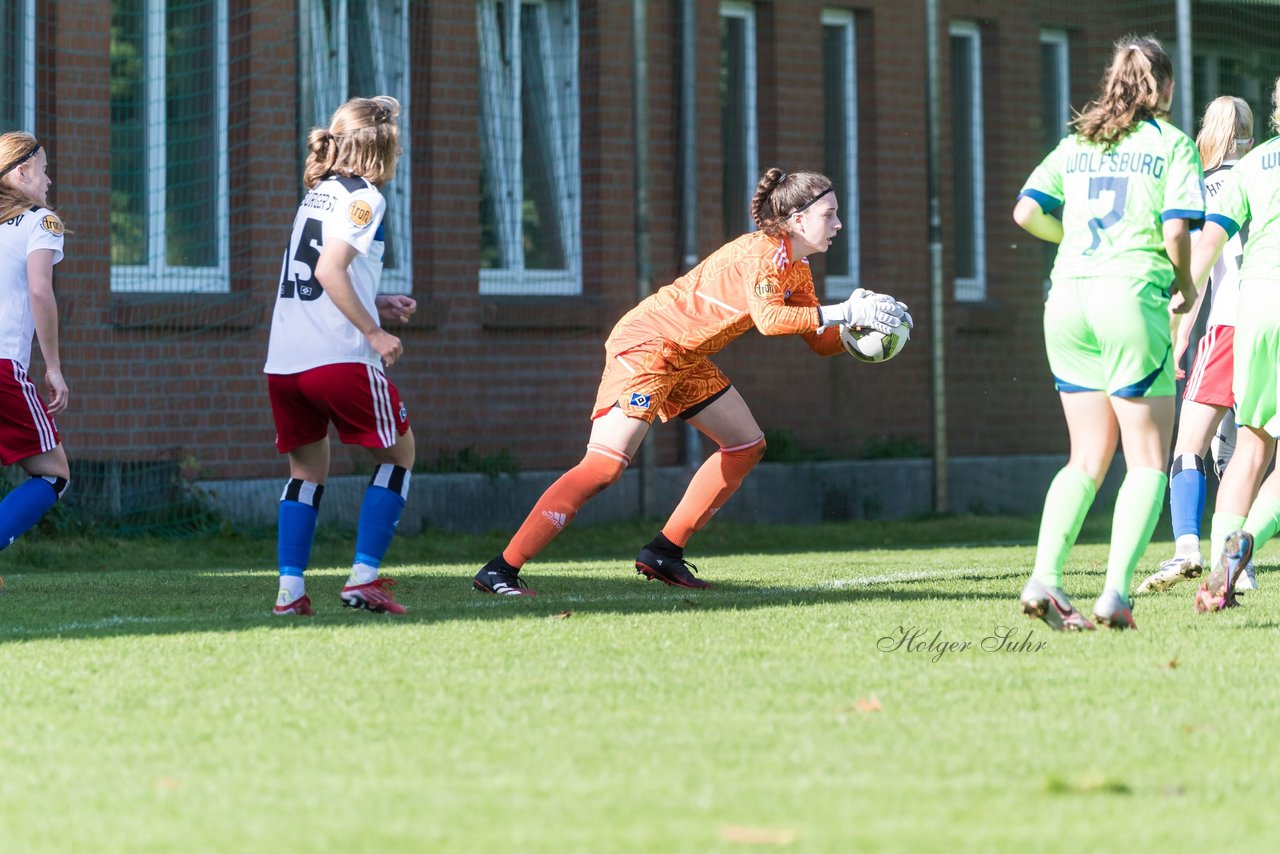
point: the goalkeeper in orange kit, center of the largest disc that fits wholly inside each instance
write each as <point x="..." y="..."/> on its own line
<point x="658" y="364"/>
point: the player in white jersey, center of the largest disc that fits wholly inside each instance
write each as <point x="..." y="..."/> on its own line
<point x="31" y="236"/>
<point x="1226" y="135"/>
<point x="327" y="351"/>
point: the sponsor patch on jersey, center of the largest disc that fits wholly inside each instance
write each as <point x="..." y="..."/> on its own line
<point x="51" y="224"/>
<point x="765" y="287"/>
<point x="639" y="401"/>
<point x="360" y="213"/>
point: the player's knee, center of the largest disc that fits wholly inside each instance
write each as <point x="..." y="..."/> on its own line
<point x="749" y="453"/>
<point x="59" y="484"/>
<point x="393" y="477"/>
<point x="603" y="469"/>
<point x="303" y="492"/>
<point x="1186" y="462"/>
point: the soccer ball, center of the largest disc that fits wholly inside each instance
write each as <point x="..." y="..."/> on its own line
<point x="868" y="345"/>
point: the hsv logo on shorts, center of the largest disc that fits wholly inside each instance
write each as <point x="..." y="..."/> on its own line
<point x="639" y="401"/>
<point x="404" y="413"/>
<point x="360" y="213"/>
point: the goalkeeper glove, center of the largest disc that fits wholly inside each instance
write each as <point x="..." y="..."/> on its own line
<point x="880" y="312"/>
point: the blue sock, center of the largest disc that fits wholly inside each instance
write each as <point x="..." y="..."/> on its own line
<point x="380" y="513"/>
<point x="1186" y="494"/>
<point x="24" y="506"/>
<point x="299" y="507"/>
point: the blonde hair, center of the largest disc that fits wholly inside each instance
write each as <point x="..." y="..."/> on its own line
<point x="362" y="140"/>
<point x="1227" y="123"/>
<point x="1275" y="103"/>
<point x="1130" y="93"/>
<point x="780" y="194"/>
<point x="16" y="147"/>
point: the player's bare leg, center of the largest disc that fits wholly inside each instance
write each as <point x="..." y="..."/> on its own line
<point x="29" y="501"/>
<point x="48" y="464"/>
<point x="310" y="462"/>
<point x="1242" y="502"/>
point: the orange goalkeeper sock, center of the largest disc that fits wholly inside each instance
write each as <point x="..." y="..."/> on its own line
<point x="600" y="468"/>
<point x="717" y="479"/>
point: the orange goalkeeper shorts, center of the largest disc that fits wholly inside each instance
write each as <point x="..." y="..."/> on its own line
<point x="656" y="378"/>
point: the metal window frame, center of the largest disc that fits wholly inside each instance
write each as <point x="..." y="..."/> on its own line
<point x="157" y="276"/>
<point x="974" y="289"/>
<point x="850" y="199"/>
<point x="25" y="35"/>
<point x="500" y="101"/>
<point x="1061" y="41"/>
<point x="328" y="55"/>
<point x="746" y="11"/>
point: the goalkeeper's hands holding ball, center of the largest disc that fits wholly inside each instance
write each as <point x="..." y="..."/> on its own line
<point x="866" y="309"/>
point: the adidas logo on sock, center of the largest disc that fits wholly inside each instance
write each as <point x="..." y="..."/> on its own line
<point x="557" y="519"/>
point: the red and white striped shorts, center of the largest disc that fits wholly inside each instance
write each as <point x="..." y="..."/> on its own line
<point x="1209" y="381"/>
<point x="26" y="428"/>
<point x="358" y="399"/>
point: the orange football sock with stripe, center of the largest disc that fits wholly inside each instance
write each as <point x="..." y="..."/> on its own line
<point x="600" y="468"/>
<point x="716" y="480"/>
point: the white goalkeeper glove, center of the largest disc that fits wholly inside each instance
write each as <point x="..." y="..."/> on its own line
<point x="880" y="312"/>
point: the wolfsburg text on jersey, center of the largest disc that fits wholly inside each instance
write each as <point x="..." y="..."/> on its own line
<point x="1124" y="163"/>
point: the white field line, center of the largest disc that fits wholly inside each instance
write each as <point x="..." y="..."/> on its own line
<point x="104" y="623"/>
<point x="892" y="577"/>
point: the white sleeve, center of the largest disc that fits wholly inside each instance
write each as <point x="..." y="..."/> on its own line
<point x="46" y="233"/>
<point x="356" y="219"/>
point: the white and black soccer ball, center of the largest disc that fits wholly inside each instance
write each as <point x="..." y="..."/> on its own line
<point x="868" y="345"/>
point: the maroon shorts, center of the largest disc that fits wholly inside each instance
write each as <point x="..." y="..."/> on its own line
<point x="1210" y="379"/>
<point x="26" y="429"/>
<point x="357" y="399"/>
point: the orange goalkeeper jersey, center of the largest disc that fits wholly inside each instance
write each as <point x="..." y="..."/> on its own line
<point x="748" y="282"/>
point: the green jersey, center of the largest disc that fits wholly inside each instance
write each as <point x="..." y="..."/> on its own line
<point x="1251" y="197"/>
<point x="1114" y="203"/>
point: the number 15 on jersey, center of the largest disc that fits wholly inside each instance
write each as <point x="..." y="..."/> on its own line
<point x="298" y="278"/>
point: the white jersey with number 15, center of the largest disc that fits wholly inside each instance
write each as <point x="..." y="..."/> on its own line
<point x="307" y="329"/>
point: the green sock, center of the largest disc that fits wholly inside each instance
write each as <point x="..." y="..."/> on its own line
<point x="1138" y="506"/>
<point x="1065" y="506"/>
<point x="1264" y="519"/>
<point x="1219" y="529"/>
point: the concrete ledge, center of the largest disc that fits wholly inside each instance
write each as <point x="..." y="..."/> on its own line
<point x="775" y="493"/>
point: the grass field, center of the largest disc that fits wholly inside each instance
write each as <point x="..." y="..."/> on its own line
<point x="151" y="703"/>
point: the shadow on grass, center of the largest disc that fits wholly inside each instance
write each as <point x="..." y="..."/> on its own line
<point x="255" y="549"/>
<point x="35" y="606"/>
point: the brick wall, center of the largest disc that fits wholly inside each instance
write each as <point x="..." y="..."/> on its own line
<point x="180" y="377"/>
